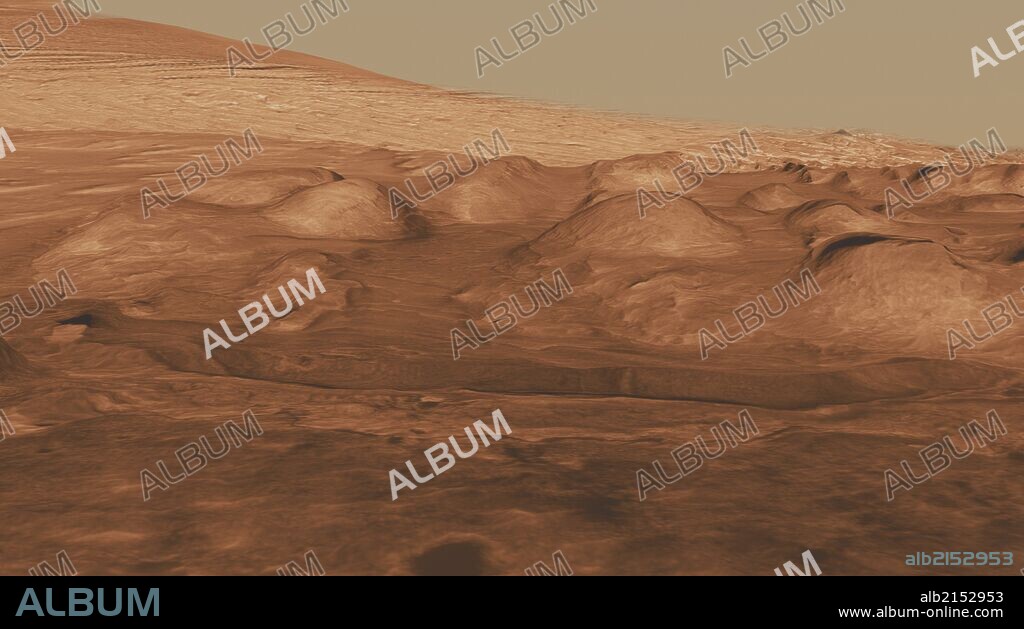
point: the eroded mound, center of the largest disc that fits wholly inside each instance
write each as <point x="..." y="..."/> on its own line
<point x="828" y="218"/>
<point x="635" y="171"/>
<point x="681" y="228"/>
<point x="889" y="288"/>
<point x="352" y="209"/>
<point x="774" y="196"/>
<point x="255" y="188"/>
<point x="506" y="189"/>
<point x="993" y="179"/>
<point x="118" y="252"/>
<point x="868" y="182"/>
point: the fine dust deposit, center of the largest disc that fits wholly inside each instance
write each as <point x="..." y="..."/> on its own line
<point x="776" y="326"/>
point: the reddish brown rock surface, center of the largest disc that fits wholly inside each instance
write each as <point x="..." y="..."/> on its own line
<point x="594" y="387"/>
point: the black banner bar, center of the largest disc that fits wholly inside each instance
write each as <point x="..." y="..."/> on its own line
<point x="808" y="602"/>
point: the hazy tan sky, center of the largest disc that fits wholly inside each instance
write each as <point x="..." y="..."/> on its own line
<point x="902" y="67"/>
